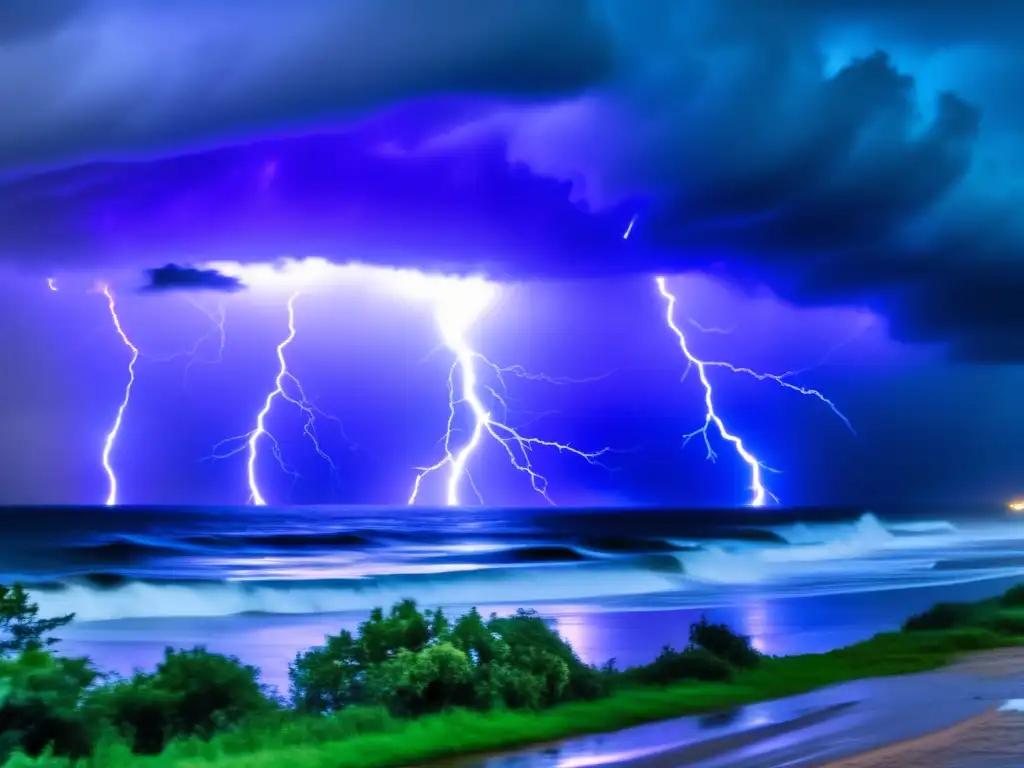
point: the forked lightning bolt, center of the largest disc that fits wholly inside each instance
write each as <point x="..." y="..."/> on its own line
<point x="108" y="445"/>
<point x="218" y="317"/>
<point x="711" y="417"/>
<point x="455" y="314"/>
<point x="250" y="441"/>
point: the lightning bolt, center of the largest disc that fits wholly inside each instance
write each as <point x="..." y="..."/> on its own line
<point x="455" y="315"/>
<point x="51" y="283"/>
<point x="108" y="445"/>
<point x="218" y="317"/>
<point x="250" y="441"/>
<point x="711" y="417"/>
<point x="629" y="228"/>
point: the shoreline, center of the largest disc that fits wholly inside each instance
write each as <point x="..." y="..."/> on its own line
<point x="923" y="751"/>
<point x="860" y="715"/>
<point x="717" y="673"/>
<point x="986" y="735"/>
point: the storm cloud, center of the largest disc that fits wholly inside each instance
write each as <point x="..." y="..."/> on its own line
<point x="862" y="153"/>
<point x="173" y="277"/>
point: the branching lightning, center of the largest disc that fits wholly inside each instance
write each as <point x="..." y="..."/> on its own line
<point x="455" y="315"/>
<point x="250" y="441"/>
<point x="218" y="317"/>
<point x="760" y="493"/>
<point x="108" y="445"/>
<point x="711" y="417"/>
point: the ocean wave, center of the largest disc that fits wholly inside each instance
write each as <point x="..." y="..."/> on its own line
<point x="310" y="572"/>
<point x="518" y="586"/>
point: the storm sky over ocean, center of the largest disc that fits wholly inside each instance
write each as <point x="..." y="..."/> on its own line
<point x="829" y="186"/>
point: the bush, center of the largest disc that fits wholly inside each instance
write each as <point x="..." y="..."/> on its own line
<point x="533" y="646"/>
<point x="1013" y="597"/>
<point x="1006" y="623"/>
<point x="940" y="616"/>
<point x="191" y="693"/>
<point x="335" y="675"/>
<point x="40" y="705"/>
<point x="20" y="625"/>
<point x="404" y="628"/>
<point x="721" y="641"/>
<point x="329" y="677"/>
<point x="671" y="666"/>
<point x="416" y="683"/>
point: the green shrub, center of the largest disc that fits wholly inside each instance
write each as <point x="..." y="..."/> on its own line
<point x="328" y="677"/>
<point x="20" y="625"/>
<point x="533" y="646"/>
<point x="404" y="628"/>
<point x="940" y="616"/>
<point x="191" y="693"/>
<point x="40" y="705"/>
<point x="1013" y="597"/>
<point x="410" y="683"/>
<point x="1006" y="622"/>
<point x="671" y="666"/>
<point x="721" y="641"/>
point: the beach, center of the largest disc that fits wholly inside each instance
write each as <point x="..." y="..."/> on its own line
<point x="992" y="739"/>
<point x="943" y="719"/>
<point x="264" y="584"/>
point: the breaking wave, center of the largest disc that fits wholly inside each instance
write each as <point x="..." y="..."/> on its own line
<point x="298" y="573"/>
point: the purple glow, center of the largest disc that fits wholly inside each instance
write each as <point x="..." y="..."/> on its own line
<point x="252" y="439"/>
<point x="455" y="314"/>
<point x="108" y="445"/>
<point x="710" y="415"/>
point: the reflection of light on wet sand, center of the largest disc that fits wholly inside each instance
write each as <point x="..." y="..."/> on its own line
<point x="607" y="758"/>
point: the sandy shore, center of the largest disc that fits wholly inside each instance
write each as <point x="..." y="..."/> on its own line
<point x="993" y="739"/>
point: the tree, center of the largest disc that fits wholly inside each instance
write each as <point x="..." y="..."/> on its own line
<point x="20" y="625"/>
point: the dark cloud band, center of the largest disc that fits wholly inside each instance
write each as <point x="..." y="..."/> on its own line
<point x="521" y="138"/>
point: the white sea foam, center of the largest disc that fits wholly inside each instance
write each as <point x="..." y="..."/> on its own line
<point x="860" y="555"/>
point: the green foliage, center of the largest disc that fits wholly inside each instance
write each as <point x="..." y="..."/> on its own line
<point x="438" y="677"/>
<point x="410" y="687"/>
<point x="724" y="643"/>
<point x="1013" y="597"/>
<point x="20" y="625"/>
<point x="672" y="666"/>
<point x="40" y="704"/>
<point x="191" y="693"/>
<point x="941" y="616"/>
<point x="328" y="677"/>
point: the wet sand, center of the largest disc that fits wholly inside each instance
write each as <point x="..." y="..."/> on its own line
<point x="993" y="739"/>
<point x="941" y="719"/>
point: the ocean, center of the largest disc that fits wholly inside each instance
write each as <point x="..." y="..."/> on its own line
<point x="263" y="584"/>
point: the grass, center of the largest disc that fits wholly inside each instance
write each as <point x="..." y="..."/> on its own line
<point x="369" y="738"/>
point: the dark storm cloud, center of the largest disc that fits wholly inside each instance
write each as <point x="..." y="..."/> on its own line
<point x="120" y="77"/>
<point x="177" y="278"/>
<point x="840" y="152"/>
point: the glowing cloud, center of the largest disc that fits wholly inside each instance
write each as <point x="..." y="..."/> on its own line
<point x="108" y="445"/>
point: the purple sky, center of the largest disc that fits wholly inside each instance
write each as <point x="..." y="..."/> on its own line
<point x="849" y="173"/>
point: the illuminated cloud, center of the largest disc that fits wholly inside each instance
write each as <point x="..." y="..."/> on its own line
<point x="863" y="153"/>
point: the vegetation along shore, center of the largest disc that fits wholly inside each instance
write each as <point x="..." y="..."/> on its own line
<point x="414" y="685"/>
